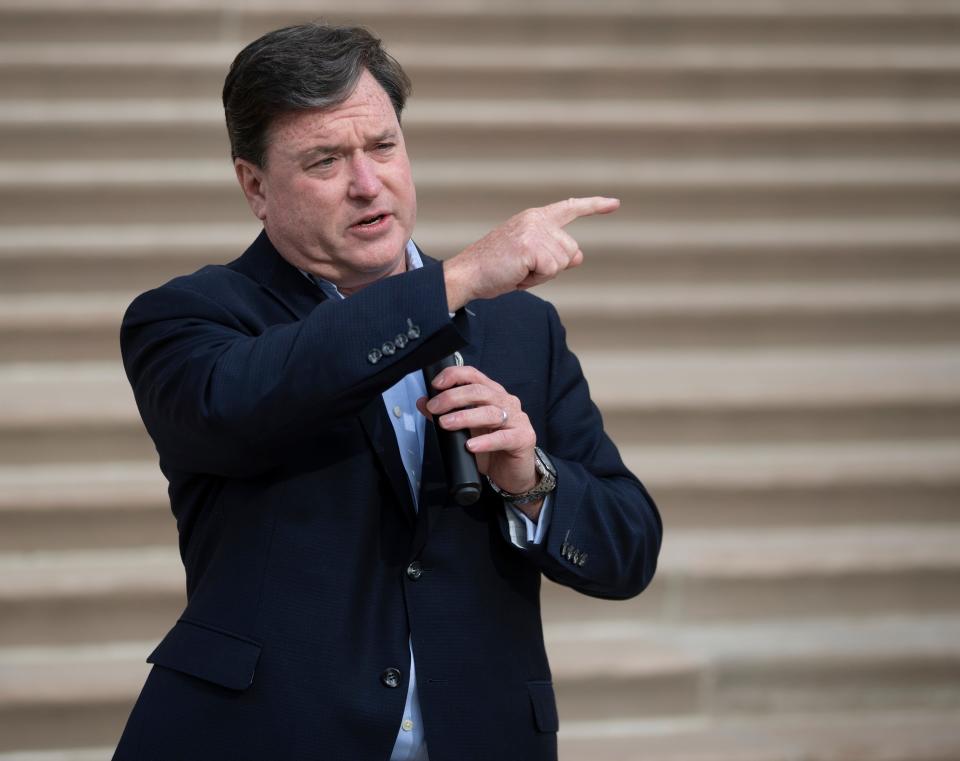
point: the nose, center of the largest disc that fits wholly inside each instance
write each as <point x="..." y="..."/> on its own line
<point x="364" y="178"/>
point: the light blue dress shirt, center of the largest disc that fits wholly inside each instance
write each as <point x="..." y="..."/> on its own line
<point x="410" y="427"/>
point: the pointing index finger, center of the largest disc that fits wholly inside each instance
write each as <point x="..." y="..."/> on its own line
<point x="564" y="212"/>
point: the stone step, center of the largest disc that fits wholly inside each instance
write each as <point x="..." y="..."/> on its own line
<point x="511" y="70"/>
<point x="605" y="676"/>
<point x="450" y="129"/>
<point x="61" y="754"/>
<point x="206" y="191"/>
<point x="775" y="314"/>
<point x="493" y="56"/>
<point x="815" y="483"/>
<point x="71" y="596"/>
<point x="837" y="665"/>
<point x="791" y="484"/>
<point x="876" y="735"/>
<point x="794" y="395"/>
<point x="906" y="735"/>
<point x="84" y="326"/>
<point x="88" y="596"/>
<point x="426" y="22"/>
<point x="64" y="506"/>
<point x="84" y="412"/>
<point x="59" y="697"/>
<point x="786" y="573"/>
<point x="70" y="412"/>
<point x="84" y="258"/>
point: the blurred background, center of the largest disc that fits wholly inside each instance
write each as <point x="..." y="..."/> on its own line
<point x="770" y="325"/>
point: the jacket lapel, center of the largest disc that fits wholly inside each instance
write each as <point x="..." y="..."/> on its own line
<point x="280" y="279"/>
<point x="382" y="439"/>
<point x="434" y="491"/>
<point x="287" y="285"/>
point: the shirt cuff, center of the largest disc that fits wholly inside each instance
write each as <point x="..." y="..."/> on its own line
<point x="524" y="531"/>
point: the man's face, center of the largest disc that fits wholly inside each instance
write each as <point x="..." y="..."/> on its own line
<point x="336" y="195"/>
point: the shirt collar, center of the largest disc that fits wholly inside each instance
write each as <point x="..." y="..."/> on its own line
<point x="414" y="262"/>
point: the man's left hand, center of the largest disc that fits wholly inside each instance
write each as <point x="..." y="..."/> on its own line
<point x="501" y="435"/>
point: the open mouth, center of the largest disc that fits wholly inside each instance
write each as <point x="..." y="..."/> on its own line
<point x="369" y="221"/>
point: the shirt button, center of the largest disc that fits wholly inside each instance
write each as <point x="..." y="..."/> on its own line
<point x="414" y="570"/>
<point x="407" y="725"/>
<point x="397" y="412"/>
<point x="390" y="677"/>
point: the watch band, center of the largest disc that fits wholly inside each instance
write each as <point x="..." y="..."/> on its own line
<point x="546" y="484"/>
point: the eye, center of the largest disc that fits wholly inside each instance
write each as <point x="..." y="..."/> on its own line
<point x="385" y="147"/>
<point x="324" y="163"/>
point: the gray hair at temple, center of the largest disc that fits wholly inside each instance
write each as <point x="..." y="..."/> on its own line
<point x="299" y="67"/>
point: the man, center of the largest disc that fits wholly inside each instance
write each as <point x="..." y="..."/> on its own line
<point x="340" y="604"/>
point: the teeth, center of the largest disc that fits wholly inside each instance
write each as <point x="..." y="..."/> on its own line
<point x="371" y="220"/>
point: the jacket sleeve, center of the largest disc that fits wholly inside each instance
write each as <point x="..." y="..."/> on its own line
<point x="605" y="530"/>
<point x="219" y="397"/>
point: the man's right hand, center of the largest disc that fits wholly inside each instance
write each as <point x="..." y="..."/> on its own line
<point x="528" y="249"/>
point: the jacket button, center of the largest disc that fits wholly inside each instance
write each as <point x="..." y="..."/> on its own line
<point x="388" y="348"/>
<point x="374" y="356"/>
<point x="401" y="340"/>
<point x="413" y="331"/>
<point x="414" y="570"/>
<point x="390" y="678"/>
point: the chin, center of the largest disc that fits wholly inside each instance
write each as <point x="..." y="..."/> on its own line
<point x="386" y="258"/>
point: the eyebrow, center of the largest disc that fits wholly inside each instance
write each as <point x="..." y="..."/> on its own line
<point x="389" y="134"/>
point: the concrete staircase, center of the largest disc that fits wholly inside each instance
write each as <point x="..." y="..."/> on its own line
<point x="771" y="325"/>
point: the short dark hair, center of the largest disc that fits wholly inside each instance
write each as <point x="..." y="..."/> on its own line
<point x="298" y="67"/>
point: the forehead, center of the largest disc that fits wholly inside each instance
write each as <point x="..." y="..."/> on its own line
<point x="367" y="112"/>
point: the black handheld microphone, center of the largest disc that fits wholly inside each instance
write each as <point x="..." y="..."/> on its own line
<point x="463" y="478"/>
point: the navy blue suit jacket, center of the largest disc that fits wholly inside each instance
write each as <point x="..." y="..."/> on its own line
<point x="296" y="523"/>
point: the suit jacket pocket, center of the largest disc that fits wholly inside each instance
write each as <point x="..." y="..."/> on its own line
<point x="544" y="706"/>
<point x="208" y="653"/>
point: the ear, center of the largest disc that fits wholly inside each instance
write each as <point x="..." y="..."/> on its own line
<point x="251" y="179"/>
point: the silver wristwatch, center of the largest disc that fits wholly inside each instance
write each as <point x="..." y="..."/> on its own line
<point x="546" y="484"/>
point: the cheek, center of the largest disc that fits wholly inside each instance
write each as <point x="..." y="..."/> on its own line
<point x="307" y="202"/>
<point x="294" y="213"/>
<point x="407" y="189"/>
